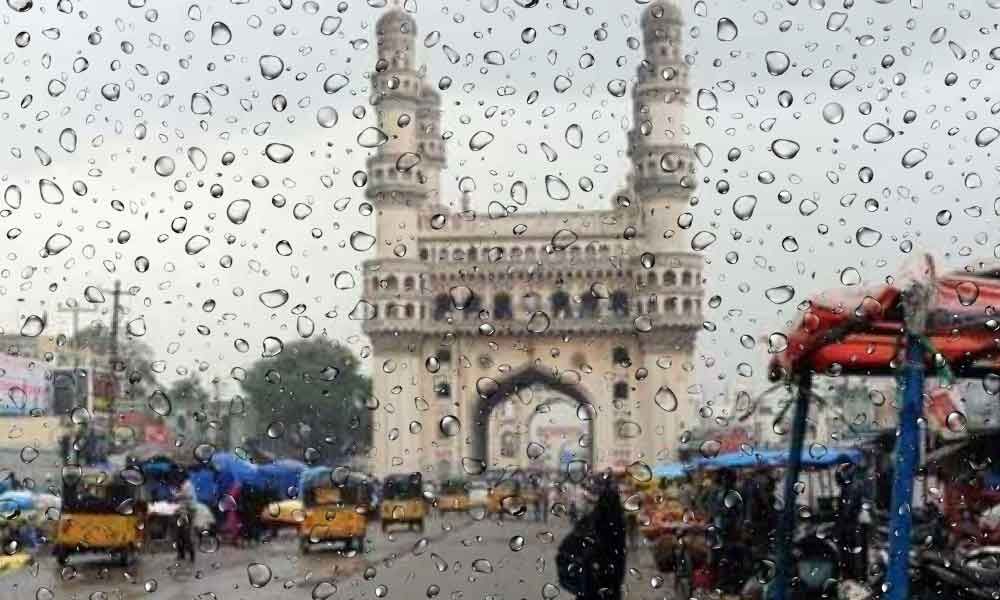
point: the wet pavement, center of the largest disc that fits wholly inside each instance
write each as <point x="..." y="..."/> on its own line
<point x="456" y="559"/>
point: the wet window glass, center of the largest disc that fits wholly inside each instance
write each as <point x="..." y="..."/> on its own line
<point x="499" y="299"/>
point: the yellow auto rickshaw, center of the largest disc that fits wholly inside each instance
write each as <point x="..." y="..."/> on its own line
<point x="453" y="496"/>
<point x="403" y="501"/>
<point x="101" y="512"/>
<point x="336" y="503"/>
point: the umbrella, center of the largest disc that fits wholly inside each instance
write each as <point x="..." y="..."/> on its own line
<point x="22" y="500"/>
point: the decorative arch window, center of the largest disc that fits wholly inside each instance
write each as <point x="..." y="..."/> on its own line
<point x="686" y="306"/>
<point x="516" y="253"/>
<point x="560" y="304"/>
<point x="442" y="306"/>
<point x="589" y="306"/>
<point x="424" y="255"/>
<point x="671" y="306"/>
<point x="620" y="357"/>
<point x="529" y="254"/>
<point x="502" y="307"/>
<point x="652" y="306"/>
<point x="391" y="283"/>
<point x="472" y="309"/>
<point x="670" y="278"/>
<point x="408" y="311"/>
<point x="620" y="390"/>
<point x="409" y="283"/>
<point x="686" y="278"/>
<point x="619" y="303"/>
<point x="473" y="254"/>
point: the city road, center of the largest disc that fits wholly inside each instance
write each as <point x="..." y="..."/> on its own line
<point x="456" y="559"/>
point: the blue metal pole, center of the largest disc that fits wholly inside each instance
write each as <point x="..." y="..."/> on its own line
<point x="786" y="524"/>
<point x="907" y="458"/>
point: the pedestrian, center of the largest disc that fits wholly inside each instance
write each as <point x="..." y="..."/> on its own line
<point x="851" y="530"/>
<point x="591" y="559"/>
<point x="184" y="526"/>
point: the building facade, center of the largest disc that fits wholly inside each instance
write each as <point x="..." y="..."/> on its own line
<point x="568" y="339"/>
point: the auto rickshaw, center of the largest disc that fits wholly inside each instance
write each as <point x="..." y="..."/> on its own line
<point x="403" y="501"/>
<point x="453" y="496"/>
<point x="284" y="514"/>
<point x="101" y="512"/>
<point x="336" y="503"/>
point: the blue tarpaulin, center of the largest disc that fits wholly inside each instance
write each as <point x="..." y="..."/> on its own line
<point x="231" y="469"/>
<point x="281" y="475"/>
<point x="813" y="458"/>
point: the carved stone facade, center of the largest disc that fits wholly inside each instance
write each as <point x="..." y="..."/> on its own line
<point x="596" y="308"/>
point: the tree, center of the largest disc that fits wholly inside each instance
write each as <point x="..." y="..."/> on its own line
<point x="188" y="394"/>
<point x="311" y="396"/>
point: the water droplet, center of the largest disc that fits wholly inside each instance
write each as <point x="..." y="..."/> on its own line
<point x="867" y="237"/>
<point x="407" y="161"/>
<point x="841" y="79"/>
<point x="666" y="399"/>
<point x="327" y="116"/>
<point x="955" y="422"/>
<point x="726" y="30"/>
<point x="273" y="298"/>
<point x="850" y="276"/>
<point x="539" y="322"/>
<point x="271" y="67"/>
<point x="164" y="166"/>
<point x="702" y="240"/>
<point x="56" y="243"/>
<point x="967" y="292"/>
<point x="221" y="35"/>
<point x="159" y="403"/>
<point x="372" y="137"/>
<point x="877" y="133"/>
<point x="259" y="574"/>
<point x="777" y="62"/>
<point x="744" y="206"/>
<point x="50" y="192"/>
<point x="330" y="25"/>
<point x="913" y="157"/>
<point x="361" y="241"/>
<point x="238" y="210"/>
<point x="279" y="153"/>
<point x="32" y="326"/>
<point x="574" y="136"/>
<point x="336" y="82"/>
<point x="786" y="149"/>
<point x="833" y="113"/>
<point x="197" y="157"/>
<point x="482" y="565"/>
<point x="450" y="426"/>
<point x="556" y="188"/>
<point x="534" y="450"/>
<point x="480" y="140"/>
<point x="67" y="140"/>
<point x="780" y="294"/>
<point x="196" y="243"/>
<point x="516" y="543"/>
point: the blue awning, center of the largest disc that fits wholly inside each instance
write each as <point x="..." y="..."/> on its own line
<point x="811" y="459"/>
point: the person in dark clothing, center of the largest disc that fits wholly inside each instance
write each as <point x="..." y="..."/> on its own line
<point x="595" y="550"/>
<point x="851" y="532"/>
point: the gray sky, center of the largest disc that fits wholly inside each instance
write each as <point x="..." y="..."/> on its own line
<point x="748" y="258"/>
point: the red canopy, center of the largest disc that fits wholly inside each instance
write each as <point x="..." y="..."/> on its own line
<point x="864" y="334"/>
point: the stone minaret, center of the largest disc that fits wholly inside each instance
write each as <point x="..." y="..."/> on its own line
<point x="404" y="176"/>
<point x="662" y="182"/>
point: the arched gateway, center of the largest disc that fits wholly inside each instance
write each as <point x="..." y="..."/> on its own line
<point x="597" y="308"/>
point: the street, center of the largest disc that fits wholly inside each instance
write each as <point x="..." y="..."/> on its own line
<point x="458" y="558"/>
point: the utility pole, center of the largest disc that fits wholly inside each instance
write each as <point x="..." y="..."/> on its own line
<point x="113" y="353"/>
<point x="75" y="309"/>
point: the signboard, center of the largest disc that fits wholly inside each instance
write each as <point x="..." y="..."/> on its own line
<point x="24" y="387"/>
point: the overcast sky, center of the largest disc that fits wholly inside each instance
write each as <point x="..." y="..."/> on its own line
<point x="877" y="60"/>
